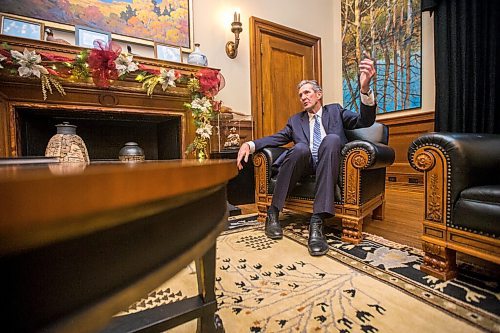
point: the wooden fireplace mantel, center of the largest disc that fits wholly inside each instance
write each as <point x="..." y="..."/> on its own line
<point x="123" y="97"/>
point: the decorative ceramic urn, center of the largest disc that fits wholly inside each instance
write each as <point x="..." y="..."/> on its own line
<point x="131" y="152"/>
<point x="196" y="57"/>
<point x="67" y="146"/>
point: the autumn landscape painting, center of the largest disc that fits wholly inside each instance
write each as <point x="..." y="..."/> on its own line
<point x="164" y="21"/>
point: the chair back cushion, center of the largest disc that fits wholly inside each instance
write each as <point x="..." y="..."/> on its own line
<point x="376" y="133"/>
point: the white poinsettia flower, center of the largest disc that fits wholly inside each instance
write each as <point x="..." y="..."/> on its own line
<point x="2" y="58"/>
<point x="195" y="104"/>
<point x="167" y="78"/>
<point x="202" y="104"/>
<point x="124" y="64"/>
<point x="207" y="103"/>
<point x="205" y="131"/>
<point x="29" y="63"/>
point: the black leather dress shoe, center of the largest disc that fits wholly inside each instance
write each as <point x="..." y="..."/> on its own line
<point x="273" y="228"/>
<point x="316" y="244"/>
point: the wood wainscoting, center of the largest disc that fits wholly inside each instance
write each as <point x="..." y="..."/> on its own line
<point x="403" y="129"/>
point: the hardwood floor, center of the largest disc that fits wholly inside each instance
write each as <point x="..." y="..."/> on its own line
<point x="403" y="216"/>
<point x="404" y="212"/>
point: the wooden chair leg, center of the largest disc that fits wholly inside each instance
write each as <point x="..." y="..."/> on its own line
<point x="352" y="230"/>
<point x="262" y="213"/>
<point x="439" y="261"/>
<point x="379" y="212"/>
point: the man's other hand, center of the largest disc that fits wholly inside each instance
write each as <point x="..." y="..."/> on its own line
<point x="243" y="154"/>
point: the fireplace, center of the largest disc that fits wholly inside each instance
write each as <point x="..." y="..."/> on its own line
<point x="104" y="133"/>
<point x="106" y="118"/>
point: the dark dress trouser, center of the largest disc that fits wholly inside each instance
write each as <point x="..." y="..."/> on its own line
<point x="298" y="163"/>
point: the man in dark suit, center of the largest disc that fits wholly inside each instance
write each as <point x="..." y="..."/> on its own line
<point x="318" y="136"/>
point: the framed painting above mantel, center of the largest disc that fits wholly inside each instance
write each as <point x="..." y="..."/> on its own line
<point x="142" y="22"/>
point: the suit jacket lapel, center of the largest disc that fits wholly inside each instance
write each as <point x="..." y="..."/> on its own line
<point x="304" y="122"/>
<point x="325" y="119"/>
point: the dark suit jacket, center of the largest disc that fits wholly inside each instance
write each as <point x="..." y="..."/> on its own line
<point x="335" y="119"/>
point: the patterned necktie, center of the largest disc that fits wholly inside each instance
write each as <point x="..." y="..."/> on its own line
<point x="316" y="139"/>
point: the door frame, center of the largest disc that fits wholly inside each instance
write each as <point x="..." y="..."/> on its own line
<point x="259" y="27"/>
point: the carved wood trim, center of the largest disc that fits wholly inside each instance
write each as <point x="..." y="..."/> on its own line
<point x="439" y="261"/>
<point x="122" y="97"/>
<point x="432" y="162"/>
<point x="355" y="160"/>
<point x="352" y="230"/>
<point x="476" y="245"/>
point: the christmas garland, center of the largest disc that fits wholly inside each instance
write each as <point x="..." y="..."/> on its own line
<point x="106" y="63"/>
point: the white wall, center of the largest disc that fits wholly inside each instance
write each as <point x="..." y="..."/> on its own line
<point x="212" y="20"/>
<point x="212" y="29"/>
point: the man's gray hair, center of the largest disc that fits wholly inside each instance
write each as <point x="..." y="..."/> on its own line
<point x="315" y="85"/>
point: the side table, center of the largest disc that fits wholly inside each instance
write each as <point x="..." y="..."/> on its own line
<point x="240" y="189"/>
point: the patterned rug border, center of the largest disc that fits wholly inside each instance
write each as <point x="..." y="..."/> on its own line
<point x="441" y="301"/>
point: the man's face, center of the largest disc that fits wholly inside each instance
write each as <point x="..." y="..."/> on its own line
<point x="310" y="99"/>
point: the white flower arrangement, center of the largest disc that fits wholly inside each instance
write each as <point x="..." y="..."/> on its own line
<point x="205" y="130"/>
<point x="167" y="78"/>
<point x="29" y="63"/>
<point x="125" y="64"/>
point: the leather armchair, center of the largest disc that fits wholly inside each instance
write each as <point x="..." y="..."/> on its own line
<point x="462" y="198"/>
<point x="360" y="189"/>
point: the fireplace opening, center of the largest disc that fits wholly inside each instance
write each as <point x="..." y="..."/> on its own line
<point x="104" y="133"/>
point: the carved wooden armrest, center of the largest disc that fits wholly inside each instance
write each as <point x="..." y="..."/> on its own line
<point x="356" y="156"/>
<point x="452" y="162"/>
<point x="263" y="161"/>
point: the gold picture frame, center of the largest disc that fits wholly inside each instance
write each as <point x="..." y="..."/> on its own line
<point x="123" y="19"/>
<point x="13" y="26"/>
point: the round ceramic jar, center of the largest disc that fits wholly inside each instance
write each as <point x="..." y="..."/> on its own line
<point x="131" y="152"/>
<point x="196" y="57"/>
<point x="67" y="146"/>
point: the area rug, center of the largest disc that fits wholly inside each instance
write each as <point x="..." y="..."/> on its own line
<point x="275" y="286"/>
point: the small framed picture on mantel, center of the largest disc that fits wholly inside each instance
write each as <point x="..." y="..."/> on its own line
<point x="86" y="36"/>
<point x="13" y="26"/>
<point x="168" y="52"/>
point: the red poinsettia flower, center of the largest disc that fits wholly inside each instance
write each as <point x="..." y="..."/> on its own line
<point x="210" y="80"/>
<point x="150" y="70"/>
<point x="54" y="57"/>
<point x="102" y="62"/>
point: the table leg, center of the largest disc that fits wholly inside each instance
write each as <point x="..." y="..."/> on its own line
<point x="205" y="271"/>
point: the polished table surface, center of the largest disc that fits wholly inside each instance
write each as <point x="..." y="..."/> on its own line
<point x="40" y="203"/>
<point x="46" y="210"/>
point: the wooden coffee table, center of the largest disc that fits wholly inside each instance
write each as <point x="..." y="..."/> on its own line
<point x="79" y="243"/>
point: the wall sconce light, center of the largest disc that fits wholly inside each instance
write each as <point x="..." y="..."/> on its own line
<point x="232" y="47"/>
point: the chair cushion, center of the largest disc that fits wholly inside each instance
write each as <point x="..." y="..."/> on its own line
<point x="478" y="210"/>
<point x="378" y="132"/>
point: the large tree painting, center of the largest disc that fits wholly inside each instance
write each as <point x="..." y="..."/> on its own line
<point x="390" y="31"/>
<point x="164" y="21"/>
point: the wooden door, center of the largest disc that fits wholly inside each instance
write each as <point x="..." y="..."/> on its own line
<point x="280" y="58"/>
